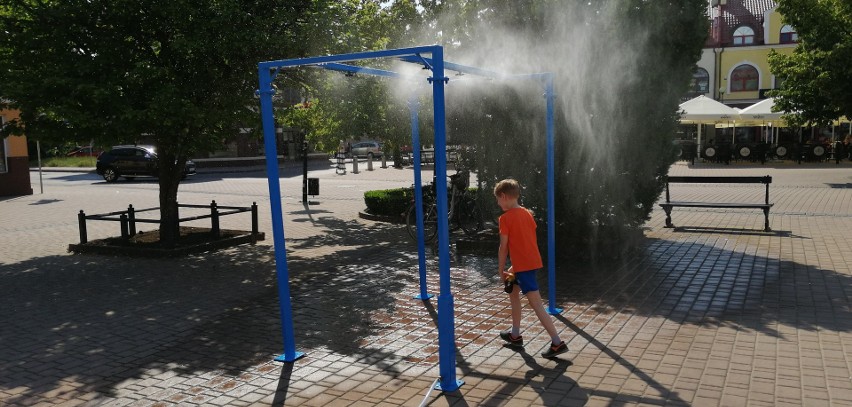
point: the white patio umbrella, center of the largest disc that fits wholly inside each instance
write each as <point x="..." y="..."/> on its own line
<point x="703" y="110"/>
<point x="762" y="112"/>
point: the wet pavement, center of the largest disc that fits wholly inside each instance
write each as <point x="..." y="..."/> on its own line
<point x="715" y="312"/>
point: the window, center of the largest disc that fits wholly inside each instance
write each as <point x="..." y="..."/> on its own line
<point x="789" y="35"/>
<point x="744" y="78"/>
<point x="700" y="83"/>
<point x="744" y="36"/>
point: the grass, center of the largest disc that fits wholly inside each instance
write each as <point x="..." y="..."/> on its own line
<point x="84" y="162"/>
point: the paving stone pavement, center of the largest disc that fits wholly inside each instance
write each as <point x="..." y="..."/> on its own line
<point x="715" y="312"/>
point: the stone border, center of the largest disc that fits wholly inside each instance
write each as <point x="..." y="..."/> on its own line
<point x="229" y="238"/>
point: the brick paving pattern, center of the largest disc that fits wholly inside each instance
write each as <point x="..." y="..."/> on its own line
<point x="715" y="312"/>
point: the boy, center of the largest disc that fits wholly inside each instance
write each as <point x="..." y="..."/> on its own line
<point x="518" y="239"/>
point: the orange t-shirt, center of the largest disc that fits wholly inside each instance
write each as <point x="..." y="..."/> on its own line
<point x="519" y="225"/>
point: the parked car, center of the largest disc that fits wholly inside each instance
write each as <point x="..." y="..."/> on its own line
<point x="132" y="161"/>
<point x="369" y="149"/>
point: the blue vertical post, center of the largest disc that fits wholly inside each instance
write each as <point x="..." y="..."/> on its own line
<point x="265" y="92"/>
<point x="551" y="200"/>
<point x="446" y="320"/>
<point x="414" y="107"/>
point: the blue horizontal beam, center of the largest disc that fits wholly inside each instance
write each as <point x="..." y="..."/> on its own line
<point x="334" y="66"/>
<point x="417" y="59"/>
<point x="451" y="66"/>
<point x="389" y="53"/>
<point x="412" y="55"/>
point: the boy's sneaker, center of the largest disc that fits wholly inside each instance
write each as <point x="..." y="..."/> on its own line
<point x="555" y="350"/>
<point x="517" y="341"/>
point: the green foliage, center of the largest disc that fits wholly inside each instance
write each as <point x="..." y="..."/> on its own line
<point x="619" y="76"/>
<point x="355" y="107"/>
<point x="816" y="76"/>
<point x="180" y="74"/>
<point x="618" y="86"/>
<point x="388" y="202"/>
<point x="77" y="162"/>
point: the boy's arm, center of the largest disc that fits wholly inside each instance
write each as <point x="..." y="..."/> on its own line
<point x="502" y="253"/>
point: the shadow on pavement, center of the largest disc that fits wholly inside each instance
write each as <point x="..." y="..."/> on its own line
<point x="283" y="385"/>
<point x="696" y="281"/>
<point x="537" y="377"/>
<point x="96" y="321"/>
<point x="735" y="231"/>
<point x="664" y="392"/>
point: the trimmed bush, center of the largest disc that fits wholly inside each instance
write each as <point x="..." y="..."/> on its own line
<point x="388" y="202"/>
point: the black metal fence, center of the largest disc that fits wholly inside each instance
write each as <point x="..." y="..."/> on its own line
<point x="128" y="220"/>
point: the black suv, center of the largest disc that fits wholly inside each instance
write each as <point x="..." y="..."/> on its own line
<point x="132" y="161"/>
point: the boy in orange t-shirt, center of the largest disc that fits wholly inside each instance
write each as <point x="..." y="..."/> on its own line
<point x="518" y="240"/>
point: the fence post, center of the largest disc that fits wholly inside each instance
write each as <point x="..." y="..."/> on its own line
<point x="123" y="221"/>
<point x="81" y="220"/>
<point x="131" y="219"/>
<point x="254" y="218"/>
<point x="214" y="219"/>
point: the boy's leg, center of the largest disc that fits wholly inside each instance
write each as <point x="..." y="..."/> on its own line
<point x="515" y="299"/>
<point x="534" y="298"/>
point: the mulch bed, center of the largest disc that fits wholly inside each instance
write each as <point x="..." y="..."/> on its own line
<point x="192" y="240"/>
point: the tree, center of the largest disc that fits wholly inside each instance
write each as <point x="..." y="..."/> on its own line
<point x="619" y="74"/>
<point x="620" y="68"/>
<point x="343" y="107"/>
<point x="181" y="73"/>
<point x="816" y="75"/>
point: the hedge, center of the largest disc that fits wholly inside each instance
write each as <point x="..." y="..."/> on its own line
<point x="388" y="202"/>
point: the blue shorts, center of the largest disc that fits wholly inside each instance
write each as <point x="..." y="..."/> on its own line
<point x="527" y="281"/>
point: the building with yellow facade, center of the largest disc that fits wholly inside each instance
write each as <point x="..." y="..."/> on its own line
<point x="733" y="67"/>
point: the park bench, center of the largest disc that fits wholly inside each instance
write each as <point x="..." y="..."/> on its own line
<point x="669" y="204"/>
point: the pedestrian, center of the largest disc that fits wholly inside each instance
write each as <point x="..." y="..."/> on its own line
<point x="518" y="242"/>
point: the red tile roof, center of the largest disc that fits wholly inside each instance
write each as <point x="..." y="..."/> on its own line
<point x="737" y="13"/>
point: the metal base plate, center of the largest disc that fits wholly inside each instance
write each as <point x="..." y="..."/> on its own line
<point x="459" y="383"/>
<point x="284" y="358"/>
<point x="420" y="296"/>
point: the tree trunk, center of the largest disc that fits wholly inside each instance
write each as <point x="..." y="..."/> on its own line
<point x="170" y="173"/>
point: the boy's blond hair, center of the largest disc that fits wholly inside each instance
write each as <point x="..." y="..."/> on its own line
<point x="509" y="187"/>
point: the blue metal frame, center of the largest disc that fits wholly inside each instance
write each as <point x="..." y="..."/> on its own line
<point x="414" y="107"/>
<point x="435" y="62"/>
<point x="551" y="200"/>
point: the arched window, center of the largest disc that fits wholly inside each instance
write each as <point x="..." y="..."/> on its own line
<point x="789" y="35"/>
<point x="745" y="78"/>
<point x="744" y="35"/>
<point x="700" y="83"/>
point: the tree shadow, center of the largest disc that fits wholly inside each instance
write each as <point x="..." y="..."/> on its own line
<point x="100" y="320"/>
<point x="695" y="281"/>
